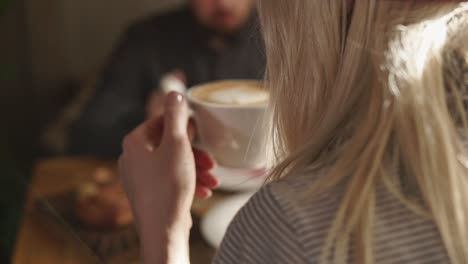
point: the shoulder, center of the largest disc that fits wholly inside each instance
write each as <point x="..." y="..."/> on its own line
<point x="277" y="226"/>
<point x="260" y="233"/>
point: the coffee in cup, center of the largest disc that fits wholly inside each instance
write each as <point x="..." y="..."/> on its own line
<point x="230" y="117"/>
<point x="235" y="93"/>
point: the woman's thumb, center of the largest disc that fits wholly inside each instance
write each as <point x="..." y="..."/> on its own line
<point x="176" y="117"/>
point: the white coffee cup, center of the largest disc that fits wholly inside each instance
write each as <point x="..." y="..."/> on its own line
<point x="235" y="133"/>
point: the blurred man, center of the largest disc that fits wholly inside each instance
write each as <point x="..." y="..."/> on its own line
<point x="205" y="41"/>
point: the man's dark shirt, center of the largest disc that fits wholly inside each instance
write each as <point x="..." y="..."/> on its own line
<point x="149" y="50"/>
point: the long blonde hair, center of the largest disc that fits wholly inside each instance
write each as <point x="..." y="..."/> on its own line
<point x="370" y="93"/>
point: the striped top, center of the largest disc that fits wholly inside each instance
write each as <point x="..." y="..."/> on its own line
<point x="276" y="227"/>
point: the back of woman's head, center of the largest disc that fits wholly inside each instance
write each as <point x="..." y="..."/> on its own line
<point x="375" y="93"/>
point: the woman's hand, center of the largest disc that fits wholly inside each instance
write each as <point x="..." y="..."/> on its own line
<point x="161" y="174"/>
<point x="173" y="81"/>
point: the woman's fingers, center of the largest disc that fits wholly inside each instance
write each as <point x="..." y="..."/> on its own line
<point x="205" y="183"/>
<point x="191" y="130"/>
<point x="154" y="130"/>
<point x="207" y="179"/>
<point x="203" y="192"/>
<point x="176" y="117"/>
<point x="146" y="135"/>
<point x="203" y="160"/>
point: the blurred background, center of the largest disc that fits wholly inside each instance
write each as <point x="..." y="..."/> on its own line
<point x="48" y="50"/>
<point x="52" y="55"/>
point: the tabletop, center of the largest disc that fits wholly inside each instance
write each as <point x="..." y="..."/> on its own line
<point x="43" y="241"/>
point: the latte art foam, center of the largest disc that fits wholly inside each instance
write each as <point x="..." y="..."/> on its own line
<point x="238" y="96"/>
<point x="238" y="93"/>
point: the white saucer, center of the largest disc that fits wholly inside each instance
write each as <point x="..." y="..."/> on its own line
<point x="238" y="180"/>
<point x="214" y="224"/>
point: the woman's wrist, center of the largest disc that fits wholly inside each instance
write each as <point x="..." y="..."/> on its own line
<point x="169" y="248"/>
<point x="166" y="243"/>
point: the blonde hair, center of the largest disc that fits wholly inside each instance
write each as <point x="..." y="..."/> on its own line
<point x="371" y="95"/>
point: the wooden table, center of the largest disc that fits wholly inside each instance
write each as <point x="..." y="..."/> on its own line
<point x="48" y="242"/>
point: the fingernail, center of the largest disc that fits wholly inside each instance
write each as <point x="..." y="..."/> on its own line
<point x="149" y="147"/>
<point x="174" y="98"/>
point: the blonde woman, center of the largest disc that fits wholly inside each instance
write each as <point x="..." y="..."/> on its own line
<point x="372" y="169"/>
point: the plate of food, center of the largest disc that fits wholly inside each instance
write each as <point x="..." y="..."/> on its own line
<point x="99" y="215"/>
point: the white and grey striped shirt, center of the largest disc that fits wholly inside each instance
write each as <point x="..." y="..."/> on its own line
<point x="276" y="227"/>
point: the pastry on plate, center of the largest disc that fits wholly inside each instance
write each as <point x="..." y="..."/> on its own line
<point x="102" y="202"/>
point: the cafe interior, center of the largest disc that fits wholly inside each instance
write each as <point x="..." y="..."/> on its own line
<point x="70" y="73"/>
<point x="127" y="125"/>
